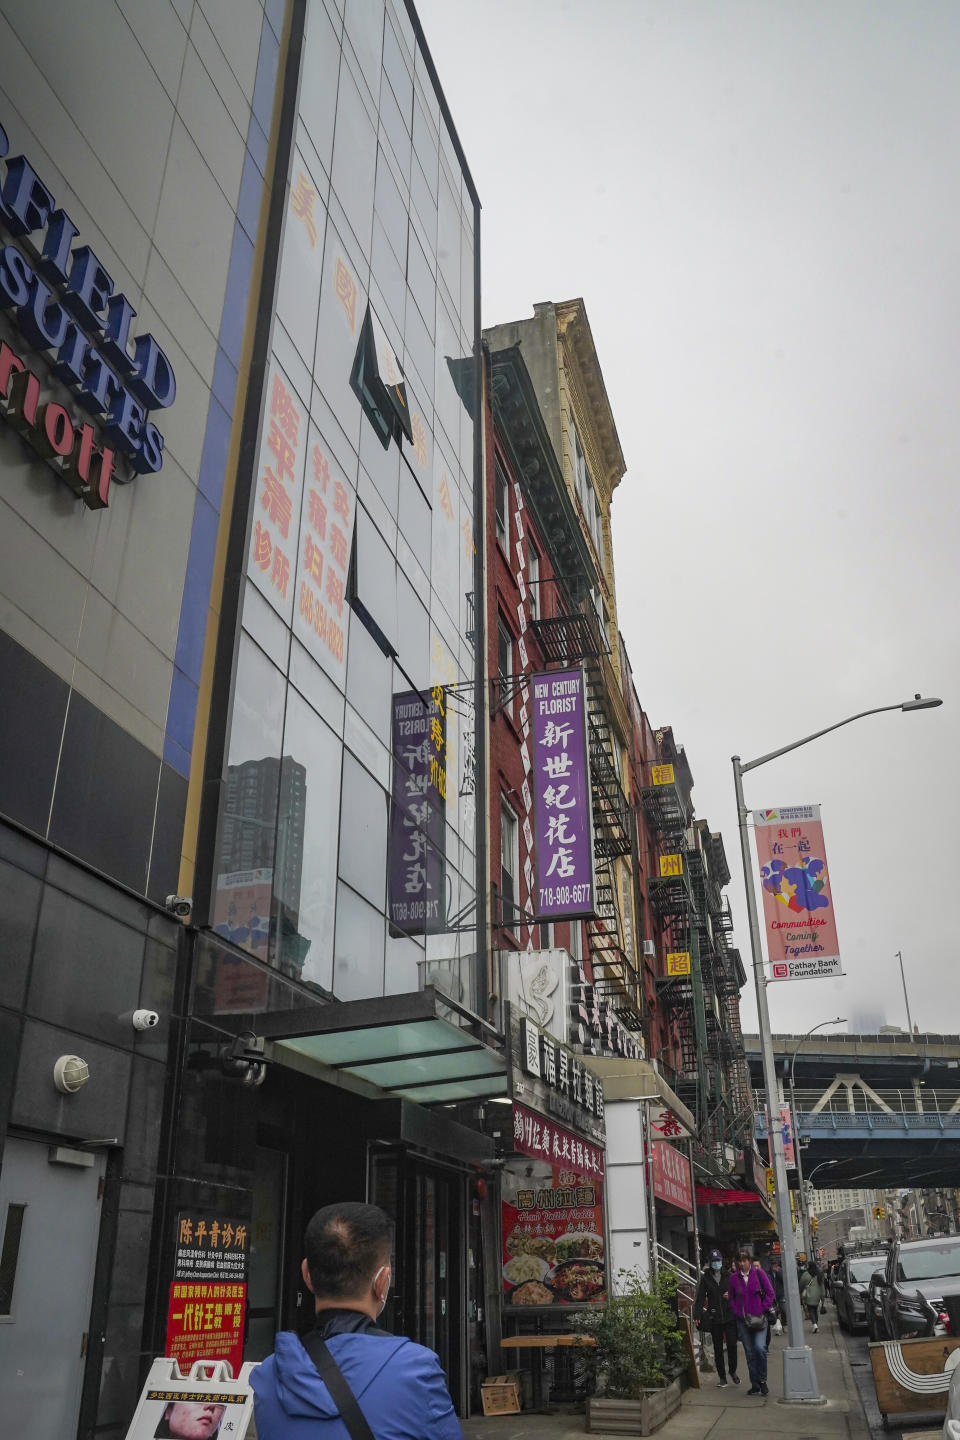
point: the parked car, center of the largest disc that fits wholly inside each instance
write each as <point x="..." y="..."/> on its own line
<point x="850" y="1288"/>
<point x="918" y="1275"/>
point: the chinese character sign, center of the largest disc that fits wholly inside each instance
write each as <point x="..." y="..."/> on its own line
<point x="661" y="774"/>
<point x="797" y="901"/>
<point x="678" y="962"/>
<point x="553" y="1245"/>
<point x="671" y="1176"/>
<point x="328" y="505"/>
<point x="539" y="1137"/>
<point x="273" y="538"/>
<point x="666" y="1125"/>
<point x="208" y="1294"/>
<point x="418" y="811"/>
<point x="563" y="825"/>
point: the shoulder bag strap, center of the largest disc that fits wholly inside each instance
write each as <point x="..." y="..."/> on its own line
<point x="332" y="1376"/>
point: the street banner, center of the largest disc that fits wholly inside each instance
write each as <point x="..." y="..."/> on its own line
<point x="786" y="1131"/>
<point x="563" y="825"/>
<point x="797" y="901"/>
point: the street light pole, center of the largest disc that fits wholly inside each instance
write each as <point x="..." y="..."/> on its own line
<point x="906" y="998"/>
<point x="799" y="1373"/>
<point x="797" y="1149"/>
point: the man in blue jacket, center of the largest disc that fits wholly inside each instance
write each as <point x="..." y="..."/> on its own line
<point x="398" y="1385"/>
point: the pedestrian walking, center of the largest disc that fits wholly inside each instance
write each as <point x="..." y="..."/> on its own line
<point x="711" y="1311"/>
<point x="811" y="1293"/>
<point x="349" y="1379"/>
<point x="751" y="1295"/>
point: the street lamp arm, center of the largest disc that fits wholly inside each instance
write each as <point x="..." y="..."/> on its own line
<point x="877" y="710"/>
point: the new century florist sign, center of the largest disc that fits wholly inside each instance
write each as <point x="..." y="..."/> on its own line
<point x="62" y="303"/>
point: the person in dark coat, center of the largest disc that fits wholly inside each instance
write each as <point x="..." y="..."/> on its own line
<point x="711" y="1311"/>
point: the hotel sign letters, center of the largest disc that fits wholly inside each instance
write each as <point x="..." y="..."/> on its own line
<point x="63" y="305"/>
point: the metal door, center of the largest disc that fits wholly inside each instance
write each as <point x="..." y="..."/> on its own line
<point x="49" y="1227"/>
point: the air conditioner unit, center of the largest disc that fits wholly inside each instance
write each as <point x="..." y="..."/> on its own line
<point x="649" y="947"/>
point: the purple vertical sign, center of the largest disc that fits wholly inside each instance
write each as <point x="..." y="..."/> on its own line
<point x="417" y="812"/>
<point x="564" y="882"/>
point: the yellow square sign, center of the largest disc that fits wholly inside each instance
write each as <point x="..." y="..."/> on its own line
<point x="679" y="963"/>
<point x="662" y="774"/>
<point x="671" y="865"/>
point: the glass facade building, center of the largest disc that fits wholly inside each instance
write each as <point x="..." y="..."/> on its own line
<point x="240" y="504"/>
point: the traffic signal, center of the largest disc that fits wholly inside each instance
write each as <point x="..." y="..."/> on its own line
<point x="814" y="1224"/>
<point x="879" y="1213"/>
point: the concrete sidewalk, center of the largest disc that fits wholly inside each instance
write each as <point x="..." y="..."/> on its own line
<point x="725" y="1414"/>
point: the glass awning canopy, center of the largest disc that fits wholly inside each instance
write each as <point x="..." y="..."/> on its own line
<point x="410" y="1046"/>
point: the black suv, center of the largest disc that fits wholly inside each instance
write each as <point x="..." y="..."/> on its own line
<point x="850" y="1287"/>
<point x="912" y="1289"/>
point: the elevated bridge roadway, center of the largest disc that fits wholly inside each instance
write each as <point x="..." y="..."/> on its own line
<point x="884" y="1108"/>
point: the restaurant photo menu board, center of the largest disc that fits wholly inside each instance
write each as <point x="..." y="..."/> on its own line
<point x="552" y="1226"/>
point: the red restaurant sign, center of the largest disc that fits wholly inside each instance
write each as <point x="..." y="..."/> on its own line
<point x="671" y="1176"/>
<point x="542" y="1139"/>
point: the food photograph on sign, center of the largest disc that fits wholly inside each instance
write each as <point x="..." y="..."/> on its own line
<point x="553" y="1246"/>
<point x="552" y="1216"/>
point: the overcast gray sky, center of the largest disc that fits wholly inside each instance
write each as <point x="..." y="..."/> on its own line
<point x="758" y="201"/>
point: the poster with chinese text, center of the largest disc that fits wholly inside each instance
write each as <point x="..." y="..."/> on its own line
<point x="328" y="509"/>
<point x="272" y="560"/>
<point x="670" y="1170"/>
<point x="797" y="901"/>
<point x="553" y="1240"/>
<point x="563" y="821"/>
<point x="207" y="1300"/>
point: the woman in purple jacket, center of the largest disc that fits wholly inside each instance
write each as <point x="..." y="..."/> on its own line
<point x="750" y="1293"/>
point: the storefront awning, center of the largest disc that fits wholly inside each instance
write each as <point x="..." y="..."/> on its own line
<point x="420" y="1046"/>
<point x="637" y="1080"/>
<point x="707" y="1195"/>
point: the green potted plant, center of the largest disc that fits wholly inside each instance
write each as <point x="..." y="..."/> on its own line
<point x="637" y="1359"/>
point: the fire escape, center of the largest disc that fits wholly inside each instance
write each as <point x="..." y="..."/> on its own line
<point x="671" y="897"/>
<point x="575" y="639"/>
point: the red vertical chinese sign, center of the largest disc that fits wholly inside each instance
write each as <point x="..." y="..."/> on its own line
<point x="208" y="1292"/>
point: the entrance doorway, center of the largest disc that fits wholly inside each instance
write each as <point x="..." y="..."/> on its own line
<point x="49" y="1228"/>
<point x="429" y="1299"/>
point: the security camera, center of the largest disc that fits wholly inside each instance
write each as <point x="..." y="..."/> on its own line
<point x="179" y="905"/>
<point x="144" y="1019"/>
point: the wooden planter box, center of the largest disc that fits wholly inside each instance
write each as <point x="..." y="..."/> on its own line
<point x="634" y="1417"/>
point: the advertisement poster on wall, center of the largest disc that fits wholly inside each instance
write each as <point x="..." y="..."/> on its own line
<point x="208" y="1292"/>
<point x="552" y="1216"/>
<point x="797" y="901"/>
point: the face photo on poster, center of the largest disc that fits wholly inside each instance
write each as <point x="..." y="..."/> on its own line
<point x="192" y="1414"/>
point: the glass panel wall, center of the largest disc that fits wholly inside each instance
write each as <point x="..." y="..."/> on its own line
<point x="346" y="840"/>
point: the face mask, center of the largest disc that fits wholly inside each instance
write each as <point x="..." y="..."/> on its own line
<point x="716" y="1264"/>
<point x="386" y="1292"/>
